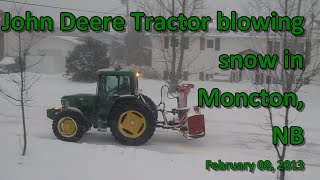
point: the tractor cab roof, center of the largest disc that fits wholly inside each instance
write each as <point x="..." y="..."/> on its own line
<point x="117" y="72"/>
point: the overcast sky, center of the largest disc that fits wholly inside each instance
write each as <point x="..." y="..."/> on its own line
<point x="109" y="5"/>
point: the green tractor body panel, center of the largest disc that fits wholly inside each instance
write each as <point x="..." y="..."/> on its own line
<point x="113" y="86"/>
<point x="86" y="103"/>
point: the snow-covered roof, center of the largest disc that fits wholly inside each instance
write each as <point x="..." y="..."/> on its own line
<point x="73" y="40"/>
<point x="7" y="60"/>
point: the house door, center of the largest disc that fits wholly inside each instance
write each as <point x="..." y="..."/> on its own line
<point x="235" y="77"/>
<point x="240" y="74"/>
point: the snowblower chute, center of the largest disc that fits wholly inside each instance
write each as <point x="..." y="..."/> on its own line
<point x="190" y="121"/>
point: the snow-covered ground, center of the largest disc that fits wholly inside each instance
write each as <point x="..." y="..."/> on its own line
<point x="232" y="135"/>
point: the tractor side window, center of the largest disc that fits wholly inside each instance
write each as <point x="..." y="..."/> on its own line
<point x="112" y="84"/>
<point x="124" y="85"/>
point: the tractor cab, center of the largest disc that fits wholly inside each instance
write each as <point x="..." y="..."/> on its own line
<point x="113" y="87"/>
<point x="122" y="82"/>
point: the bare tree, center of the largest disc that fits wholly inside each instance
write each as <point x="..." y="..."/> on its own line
<point x="289" y="80"/>
<point x="23" y="42"/>
<point x="175" y="59"/>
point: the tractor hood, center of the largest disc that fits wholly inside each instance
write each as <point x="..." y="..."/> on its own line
<point x="83" y="102"/>
<point x="79" y="96"/>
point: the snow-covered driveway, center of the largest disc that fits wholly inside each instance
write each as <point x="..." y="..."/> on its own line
<point x="232" y="135"/>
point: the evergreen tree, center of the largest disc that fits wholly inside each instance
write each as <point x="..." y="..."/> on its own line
<point x="86" y="59"/>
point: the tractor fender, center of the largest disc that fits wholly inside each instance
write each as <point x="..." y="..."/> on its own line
<point x="52" y="113"/>
<point x="119" y="99"/>
<point x="76" y="110"/>
<point x="86" y="124"/>
<point x="73" y="109"/>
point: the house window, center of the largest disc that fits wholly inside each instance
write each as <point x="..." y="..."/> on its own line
<point x="276" y="49"/>
<point x="295" y="47"/>
<point x="308" y="53"/>
<point x="165" y="75"/>
<point x="202" y="43"/>
<point x="186" y="42"/>
<point x="269" y="79"/>
<point x="233" y="77"/>
<point x="301" y="48"/>
<point x="292" y="47"/>
<point x="273" y="47"/>
<point x="210" y="43"/>
<point x="207" y="77"/>
<point x="201" y="76"/>
<point x="185" y="75"/>
<point x="217" y="44"/>
<point x="174" y="42"/>
<point x="166" y="42"/>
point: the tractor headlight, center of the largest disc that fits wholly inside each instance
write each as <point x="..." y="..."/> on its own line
<point x="138" y="74"/>
<point x="64" y="104"/>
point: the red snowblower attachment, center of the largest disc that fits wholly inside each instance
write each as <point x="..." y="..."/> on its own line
<point x="189" y="121"/>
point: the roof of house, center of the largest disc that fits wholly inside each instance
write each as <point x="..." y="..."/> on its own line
<point x="248" y="51"/>
<point x="73" y="40"/>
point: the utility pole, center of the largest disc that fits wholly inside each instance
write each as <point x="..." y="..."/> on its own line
<point x="128" y="14"/>
<point x="126" y="3"/>
<point x="1" y="36"/>
<point x="173" y="77"/>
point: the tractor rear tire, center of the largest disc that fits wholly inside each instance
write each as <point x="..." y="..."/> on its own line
<point x="132" y="123"/>
<point x="151" y="105"/>
<point x="68" y="126"/>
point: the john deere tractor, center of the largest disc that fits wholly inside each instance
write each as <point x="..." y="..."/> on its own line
<point x="118" y="105"/>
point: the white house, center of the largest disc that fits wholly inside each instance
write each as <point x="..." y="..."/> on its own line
<point x="49" y="50"/>
<point x="202" y="54"/>
<point x="47" y="54"/>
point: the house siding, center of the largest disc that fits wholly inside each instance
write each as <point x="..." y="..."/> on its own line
<point x="202" y="61"/>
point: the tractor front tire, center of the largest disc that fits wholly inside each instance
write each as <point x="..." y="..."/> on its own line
<point x="132" y="123"/>
<point x="68" y="126"/>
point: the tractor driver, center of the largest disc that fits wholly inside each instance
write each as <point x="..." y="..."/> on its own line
<point x="124" y="88"/>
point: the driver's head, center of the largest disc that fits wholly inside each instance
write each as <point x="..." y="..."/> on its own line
<point x="125" y="81"/>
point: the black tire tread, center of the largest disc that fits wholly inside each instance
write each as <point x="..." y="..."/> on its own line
<point x="151" y="105"/>
<point x="124" y="106"/>
<point x="77" y="118"/>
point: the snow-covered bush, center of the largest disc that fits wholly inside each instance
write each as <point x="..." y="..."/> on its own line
<point x="86" y="59"/>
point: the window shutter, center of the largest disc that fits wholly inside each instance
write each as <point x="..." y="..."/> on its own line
<point x="217" y="44"/>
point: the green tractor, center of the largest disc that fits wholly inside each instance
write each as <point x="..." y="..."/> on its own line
<point x="132" y="117"/>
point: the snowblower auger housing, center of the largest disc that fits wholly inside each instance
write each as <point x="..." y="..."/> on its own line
<point x="117" y="104"/>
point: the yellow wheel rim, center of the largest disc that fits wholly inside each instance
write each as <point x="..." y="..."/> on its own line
<point x="132" y="124"/>
<point x="67" y="127"/>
